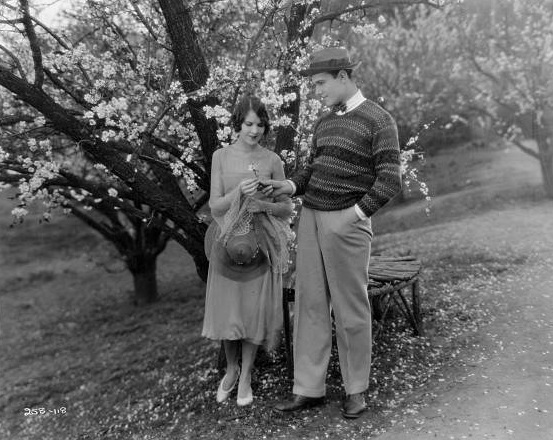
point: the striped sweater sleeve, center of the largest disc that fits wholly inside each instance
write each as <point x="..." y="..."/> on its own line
<point x="387" y="168"/>
<point x="301" y="177"/>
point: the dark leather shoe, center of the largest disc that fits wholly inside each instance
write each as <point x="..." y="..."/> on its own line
<point x="354" y="405"/>
<point x="298" y="403"/>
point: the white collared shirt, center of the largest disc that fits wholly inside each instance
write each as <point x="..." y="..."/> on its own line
<point x="355" y="101"/>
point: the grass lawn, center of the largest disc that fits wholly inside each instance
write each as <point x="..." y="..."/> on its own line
<point x="69" y="338"/>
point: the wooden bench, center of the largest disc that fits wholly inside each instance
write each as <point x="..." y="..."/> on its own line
<point x="388" y="278"/>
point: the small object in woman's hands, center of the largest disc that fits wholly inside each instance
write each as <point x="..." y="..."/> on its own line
<point x="254" y="168"/>
<point x="262" y="186"/>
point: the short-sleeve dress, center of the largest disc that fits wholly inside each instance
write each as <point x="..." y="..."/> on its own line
<point x="249" y="309"/>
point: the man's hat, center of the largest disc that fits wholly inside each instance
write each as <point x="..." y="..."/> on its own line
<point x="328" y="60"/>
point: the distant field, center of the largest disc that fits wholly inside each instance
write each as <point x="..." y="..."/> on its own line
<point x="463" y="181"/>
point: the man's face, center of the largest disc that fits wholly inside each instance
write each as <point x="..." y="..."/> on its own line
<point x="331" y="90"/>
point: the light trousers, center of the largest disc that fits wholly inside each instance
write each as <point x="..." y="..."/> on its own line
<point x="332" y="272"/>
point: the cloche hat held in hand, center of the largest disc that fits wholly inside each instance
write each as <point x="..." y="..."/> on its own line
<point x="330" y="59"/>
<point x="241" y="259"/>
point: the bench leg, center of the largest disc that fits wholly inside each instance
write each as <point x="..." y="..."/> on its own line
<point x="287" y="335"/>
<point x="415" y="298"/>
<point x="221" y="359"/>
<point x="409" y="312"/>
<point x="384" y="313"/>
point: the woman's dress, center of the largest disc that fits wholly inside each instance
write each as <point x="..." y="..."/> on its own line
<point x="242" y="308"/>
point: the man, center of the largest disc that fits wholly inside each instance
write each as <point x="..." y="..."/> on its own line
<point x="353" y="171"/>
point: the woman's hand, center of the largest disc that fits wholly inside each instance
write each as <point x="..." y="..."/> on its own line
<point x="248" y="187"/>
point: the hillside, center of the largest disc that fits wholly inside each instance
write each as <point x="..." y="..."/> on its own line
<point x="70" y="339"/>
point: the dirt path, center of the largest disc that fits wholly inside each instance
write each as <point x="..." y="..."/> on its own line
<point x="507" y="392"/>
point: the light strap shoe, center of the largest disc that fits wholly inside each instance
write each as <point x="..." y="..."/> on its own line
<point x="223" y="394"/>
<point x="244" y="401"/>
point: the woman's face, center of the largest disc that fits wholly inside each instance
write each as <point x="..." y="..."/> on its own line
<point x="252" y="129"/>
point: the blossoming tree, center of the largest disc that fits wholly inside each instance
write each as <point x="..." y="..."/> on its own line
<point x="507" y="64"/>
<point x="115" y="115"/>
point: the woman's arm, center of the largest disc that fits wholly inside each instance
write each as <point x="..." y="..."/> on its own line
<point x="218" y="201"/>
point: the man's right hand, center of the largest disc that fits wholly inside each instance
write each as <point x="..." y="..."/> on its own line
<point x="279" y="187"/>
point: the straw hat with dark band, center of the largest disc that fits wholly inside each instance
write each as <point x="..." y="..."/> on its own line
<point x="244" y="257"/>
<point x="328" y="60"/>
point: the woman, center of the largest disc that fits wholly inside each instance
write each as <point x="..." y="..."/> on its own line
<point x="247" y="245"/>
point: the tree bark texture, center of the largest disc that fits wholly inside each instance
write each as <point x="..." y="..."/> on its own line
<point x="546" y="164"/>
<point x="143" y="269"/>
<point x="192" y="70"/>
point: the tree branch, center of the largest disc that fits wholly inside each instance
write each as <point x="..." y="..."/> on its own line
<point x="94" y="188"/>
<point x="147" y="25"/>
<point x="268" y="18"/>
<point x="524" y="148"/>
<point x="12" y="120"/>
<point x="51" y="33"/>
<point x="372" y="4"/>
<point x="18" y="65"/>
<point x="33" y="41"/>
<point x="77" y="96"/>
<point x="101" y="227"/>
<point x="175" y="152"/>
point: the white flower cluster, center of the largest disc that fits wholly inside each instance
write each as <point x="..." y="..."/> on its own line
<point x="270" y="94"/>
<point x="190" y="179"/>
<point x="221" y="114"/>
<point x="67" y="60"/>
<point x="177" y="95"/>
<point x="302" y="61"/>
<point x="4" y="155"/>
<point x="101" y="167"/>
<point x="188" y="154"/>
<point x="224" y="134"/>
<point x="177" y="168"/>
<point x="289" y="156"/>
<point x="180" y="130"/>
<point x="366" y="29"/>
<point x="19" y="213"/>
<point x="79" y="196"/>
<point x="224" y="73"/>
<point x="31" y="189"/>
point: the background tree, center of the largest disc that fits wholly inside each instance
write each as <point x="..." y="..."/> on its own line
<point x="506" y="68"/>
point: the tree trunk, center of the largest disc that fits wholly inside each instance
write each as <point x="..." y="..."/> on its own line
<point x="143" y="269"/>
<point x="546" y="164"/>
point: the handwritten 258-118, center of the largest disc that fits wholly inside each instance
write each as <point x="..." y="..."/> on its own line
<point x="37" y="411"/>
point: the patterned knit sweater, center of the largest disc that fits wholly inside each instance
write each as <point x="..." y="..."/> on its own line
<point x="355" y="159"/>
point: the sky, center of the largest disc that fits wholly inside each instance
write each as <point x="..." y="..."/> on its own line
<point x="50" y="9"/>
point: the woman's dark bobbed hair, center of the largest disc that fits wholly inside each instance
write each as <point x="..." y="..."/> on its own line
<point x="243" y="106"/>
